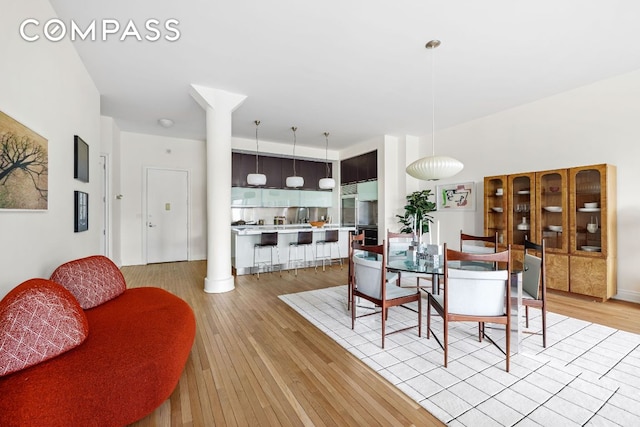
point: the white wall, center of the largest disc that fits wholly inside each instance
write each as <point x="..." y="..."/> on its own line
<point x="46" y="87"/>
<point x="593" y="124"/>
<point x="138" y="152"/>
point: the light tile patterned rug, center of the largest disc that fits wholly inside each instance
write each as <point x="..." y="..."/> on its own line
<point x="589" y="374"/>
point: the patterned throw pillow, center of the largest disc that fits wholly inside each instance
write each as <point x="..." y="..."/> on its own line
<point x="39" y="320"/>
<point x="92" y="280"/>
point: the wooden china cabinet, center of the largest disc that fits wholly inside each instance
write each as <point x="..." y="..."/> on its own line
<point x="573" y="210"/>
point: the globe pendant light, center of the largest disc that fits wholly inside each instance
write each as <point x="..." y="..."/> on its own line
<point x="256" y="178"/>
<point x="294" y="181"/>
<point x="326" y="183"/>
<point x="434" y="167"/>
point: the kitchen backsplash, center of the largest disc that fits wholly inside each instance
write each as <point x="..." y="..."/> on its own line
<point x="292" y="215"/>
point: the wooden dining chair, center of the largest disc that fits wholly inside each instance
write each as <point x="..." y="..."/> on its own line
<point x="370" y="283"/>
<point x="473" y="295"/>
<point x="397" y="246"/>
<point x="534" y="285"/>
<point x="353" y="240"/>
<point x="478" y="244"/>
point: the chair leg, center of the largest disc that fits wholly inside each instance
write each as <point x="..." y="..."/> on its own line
<point x="544" y="326"/>
<point x="526" y="316"/>
<point x="428" y="318"/>
<point x="446" y="340"/>
<point x="508" y="342"/>
<point x="384" y="312"/>
<point x="353" y="311"/>
<point x="419" y="315"/>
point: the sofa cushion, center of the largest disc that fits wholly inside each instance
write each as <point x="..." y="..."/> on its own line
<point x="39" y="320"/>
<point x="92" y="280"/>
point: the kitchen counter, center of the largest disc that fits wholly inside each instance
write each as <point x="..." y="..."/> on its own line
<point x="244" y="238"/>
<point x="287" y="228"/>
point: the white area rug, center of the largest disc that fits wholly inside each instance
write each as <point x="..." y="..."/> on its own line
<point x="589" y="374"/>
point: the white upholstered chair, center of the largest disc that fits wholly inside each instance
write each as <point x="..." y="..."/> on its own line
<point x="370" y="283"/>
<point x="481" y="296"/>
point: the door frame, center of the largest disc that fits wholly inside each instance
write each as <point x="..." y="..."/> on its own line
<point x="145" y="210"/>
<point x="105" y="239"/>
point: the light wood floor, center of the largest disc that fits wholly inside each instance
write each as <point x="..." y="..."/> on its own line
<point x="256" y="362"/>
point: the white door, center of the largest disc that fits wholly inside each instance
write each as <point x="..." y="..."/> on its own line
<point x="167" y="215"/>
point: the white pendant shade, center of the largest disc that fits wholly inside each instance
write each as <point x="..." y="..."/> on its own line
<point x="327" y="183"/>
<point x="295" y="181"/>
<point x="434" y="168"/>
<point x="256" y="179"/>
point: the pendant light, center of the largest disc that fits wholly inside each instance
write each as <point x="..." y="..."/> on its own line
<point x="256" y="178"/>
<point x="434" y="167"/>
<point x="294" y="181"/>
<point x="326" y="183"/>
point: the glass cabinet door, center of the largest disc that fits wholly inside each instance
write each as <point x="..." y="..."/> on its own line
<point x="552" y="204"/>
<point x="586" y="206"/>
<point x="495" y="198"/>
<point x="521" y="208"/>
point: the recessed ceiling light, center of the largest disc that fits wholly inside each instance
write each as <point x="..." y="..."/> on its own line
<point x="165" y="123"/>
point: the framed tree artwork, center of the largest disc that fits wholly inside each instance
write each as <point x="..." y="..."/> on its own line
<point x="24" y="167"/>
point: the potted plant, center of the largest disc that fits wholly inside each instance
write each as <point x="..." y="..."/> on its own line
<point x="417" y="209"/>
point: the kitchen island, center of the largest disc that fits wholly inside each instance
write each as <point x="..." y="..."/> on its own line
<point x="244" y="237"/>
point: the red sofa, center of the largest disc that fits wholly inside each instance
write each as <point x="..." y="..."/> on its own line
<point x="122" y="350"/>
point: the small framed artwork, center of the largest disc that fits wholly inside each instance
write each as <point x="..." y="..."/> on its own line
<point x="456" y="197"/>
<point x="80" y="159"/>
<point x="81" y="211"/>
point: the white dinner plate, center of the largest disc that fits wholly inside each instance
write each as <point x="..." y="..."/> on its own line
<point x="496" y="209"/>
<point x="591" y="248"/>
<point x="524" y="192"/>
<point x="553" y="208"/>
<point x="588" y="209"/>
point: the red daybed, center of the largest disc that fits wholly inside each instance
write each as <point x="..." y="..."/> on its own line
<point x="128" y="363"/>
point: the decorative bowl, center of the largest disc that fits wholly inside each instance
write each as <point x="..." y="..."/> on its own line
<point x="554" y="189"/>
<point x="317" y="224"/>
<point x="553" y="208"/>
<point x="591" y="205"/>
<point x="555" y="228"/>
<point x="497" y="209"/>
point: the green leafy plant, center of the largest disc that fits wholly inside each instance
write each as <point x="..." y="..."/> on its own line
<point x="418" y="206"/>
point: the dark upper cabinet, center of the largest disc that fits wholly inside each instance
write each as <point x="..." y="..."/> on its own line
<point x="277" y="169"/>
<point x="241" y="166"/>
<point x="369" y="169"/>
<point x="360" y="168"/>
<point x="272" y="167"/>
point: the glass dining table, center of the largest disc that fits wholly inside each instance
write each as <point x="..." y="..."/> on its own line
<point x="436" y="270"/>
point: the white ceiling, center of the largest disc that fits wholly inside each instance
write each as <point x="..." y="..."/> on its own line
<point x="357" y="69"/>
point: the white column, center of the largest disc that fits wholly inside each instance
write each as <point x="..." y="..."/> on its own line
<point x="219" y="105"/>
